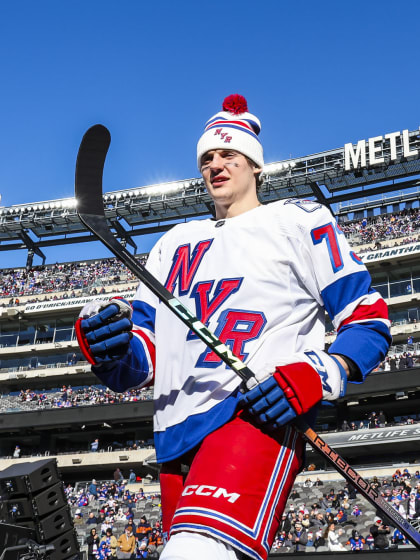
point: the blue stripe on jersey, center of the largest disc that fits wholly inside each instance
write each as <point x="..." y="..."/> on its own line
<point x="364" y="343"/>
<point x="144" y="315"/>
<point x="177" y="440"/>
<point x="343" y="291"/>
<point x="127" y="373"/>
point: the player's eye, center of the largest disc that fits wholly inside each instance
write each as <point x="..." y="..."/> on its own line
<point x="205" y="162"/>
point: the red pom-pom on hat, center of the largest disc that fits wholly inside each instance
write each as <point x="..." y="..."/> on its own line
<point x="235" y="104"/>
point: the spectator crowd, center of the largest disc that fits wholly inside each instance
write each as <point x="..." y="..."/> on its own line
<point x="81" y="396"/>
<point x="384" y="227"/>
<point x="379" y="420"/>
<point x="115" y="521"/>
<point x="395" y="362"/>
<point x="66" y="277"/>
<point x="118" y="522"/>
<point x="339" y="519"/>
<point x="68" y="397"/>
<point x="90" y="277"/>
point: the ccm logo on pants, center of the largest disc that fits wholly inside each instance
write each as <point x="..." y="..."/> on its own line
<point x="205" y="490"/>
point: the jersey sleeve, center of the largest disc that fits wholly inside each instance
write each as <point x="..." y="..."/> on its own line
<point x="137" y="368"/>
<point x="343" y="284"/>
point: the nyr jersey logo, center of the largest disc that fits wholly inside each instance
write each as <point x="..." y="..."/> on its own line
<point x="235" y="327"/>
<point x="185" y="266"/>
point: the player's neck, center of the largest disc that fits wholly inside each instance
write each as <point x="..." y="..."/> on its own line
<point x="236" y="207"/>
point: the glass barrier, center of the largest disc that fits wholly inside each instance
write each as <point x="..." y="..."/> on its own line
<point x="402" y="288"/>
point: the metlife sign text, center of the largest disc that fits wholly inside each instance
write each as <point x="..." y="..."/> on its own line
<point x="375" y="436"/>
<point x="373" y="151"/>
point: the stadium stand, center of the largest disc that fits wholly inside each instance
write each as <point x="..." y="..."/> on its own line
<point x="90" y="277"/>
<point x="402" y="226"/>
<point x="29" y="383"/>
<point x="52" y="405"/>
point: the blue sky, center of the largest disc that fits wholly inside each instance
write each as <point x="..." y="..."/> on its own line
<point x="317" y="75"/>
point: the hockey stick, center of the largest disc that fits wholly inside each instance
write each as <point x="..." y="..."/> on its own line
<point x="90" y="208"/>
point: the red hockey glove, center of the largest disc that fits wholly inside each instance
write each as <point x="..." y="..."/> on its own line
<point x="294" y="388"/>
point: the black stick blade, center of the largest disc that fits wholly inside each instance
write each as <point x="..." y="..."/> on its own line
<point x="89" y="168"/>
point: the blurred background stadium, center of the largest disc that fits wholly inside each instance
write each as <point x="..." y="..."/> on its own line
<point x="52" y="406"/>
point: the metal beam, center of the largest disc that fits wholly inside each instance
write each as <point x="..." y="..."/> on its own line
<point x="123" y="234"/>
<point x="32" y="249"/>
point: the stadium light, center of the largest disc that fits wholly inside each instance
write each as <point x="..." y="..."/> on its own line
<point x="279" y="167"/>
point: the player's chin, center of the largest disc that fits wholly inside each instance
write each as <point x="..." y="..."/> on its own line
<point x="221" y="189"/>
<point x="217" y="192"/>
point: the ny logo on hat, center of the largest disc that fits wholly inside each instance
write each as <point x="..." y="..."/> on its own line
<point x="222" y="135"/>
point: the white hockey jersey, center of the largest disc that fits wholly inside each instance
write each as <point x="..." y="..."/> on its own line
<point x="261" y="281"/>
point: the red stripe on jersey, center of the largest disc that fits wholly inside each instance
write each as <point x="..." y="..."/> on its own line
<point x="377" y="310"/>
<point x="150" y="346"/>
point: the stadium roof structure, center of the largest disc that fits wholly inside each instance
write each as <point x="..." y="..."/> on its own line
<point x="368" y="169"/>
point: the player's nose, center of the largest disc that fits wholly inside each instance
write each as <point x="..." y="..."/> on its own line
<point x="217" y="162"/>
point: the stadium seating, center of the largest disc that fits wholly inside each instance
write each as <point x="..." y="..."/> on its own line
<point x="34" y="361"/>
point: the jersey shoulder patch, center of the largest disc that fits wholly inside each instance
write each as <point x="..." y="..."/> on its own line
<point x="304" y="204"/>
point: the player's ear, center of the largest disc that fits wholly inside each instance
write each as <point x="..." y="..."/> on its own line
<point x="256" y="168"/>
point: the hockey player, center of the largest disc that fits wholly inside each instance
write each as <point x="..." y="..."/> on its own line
<point x="261" y="277"/>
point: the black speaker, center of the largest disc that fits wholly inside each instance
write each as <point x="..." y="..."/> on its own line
<point x="27" y="478"/>
<point x="33" y="498"/>
<point x="15" y="509"/>
<point x="50" y="526"/>
<point x="66" y="546"/>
